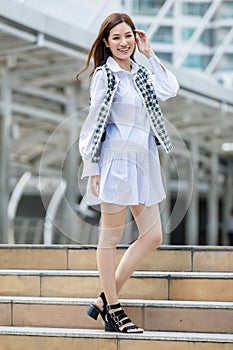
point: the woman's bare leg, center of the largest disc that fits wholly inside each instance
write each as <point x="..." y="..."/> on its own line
<point x="112" y="220"/>
<point x="112" y="225"/>
<point x="150" y="237"/>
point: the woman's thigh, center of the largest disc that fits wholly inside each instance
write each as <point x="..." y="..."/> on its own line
<point x="112" y="224"/>
<point x="147" y="219"/>
<point x="113" y="215"/>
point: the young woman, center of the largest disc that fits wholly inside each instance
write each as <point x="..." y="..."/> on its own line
<point x="118" y="144"/>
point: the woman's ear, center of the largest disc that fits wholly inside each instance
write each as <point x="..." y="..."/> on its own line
<point x="105" y="42"/>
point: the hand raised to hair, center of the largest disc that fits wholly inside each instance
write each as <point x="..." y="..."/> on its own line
<point x="143" y="44"/>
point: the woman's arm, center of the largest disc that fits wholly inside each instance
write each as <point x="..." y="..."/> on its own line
<point x="164" y="81"/>
<point x="97" y="93"/>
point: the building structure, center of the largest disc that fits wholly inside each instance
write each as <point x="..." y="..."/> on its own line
<point x="41" y="49"/>
<point x="190" y="33"/>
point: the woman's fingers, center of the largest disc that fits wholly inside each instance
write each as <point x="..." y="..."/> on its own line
<point x="142" y="40"/>
<point x="95" y="185"/>
<point x="140" y="32"/>
<point x="143" y="43"/>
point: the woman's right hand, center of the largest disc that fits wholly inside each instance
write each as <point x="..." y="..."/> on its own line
<point x="95" y="185"/>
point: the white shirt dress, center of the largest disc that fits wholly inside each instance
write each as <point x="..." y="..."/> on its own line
<point x="129" y="165"/>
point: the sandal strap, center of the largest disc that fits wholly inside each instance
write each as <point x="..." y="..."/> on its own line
<point x="102" y="296"/>
<point x="113" y="306"/>
<point x="120" y="314"/>
<point x="119" y="317"/>
<point x="125" y="321"/>
<point x="125" y="329"/>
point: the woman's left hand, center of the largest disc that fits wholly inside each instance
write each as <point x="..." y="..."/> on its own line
<point x="95" y="185"/>
<point x="143" y="44"/>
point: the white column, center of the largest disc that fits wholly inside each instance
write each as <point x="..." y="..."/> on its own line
<point x="51" y="213"/>
<point x="192" y="221"/>
<point x="71" y="164"/>
<point x="227" y="200"/>
<point x="71" y="156"/>
<point x="16" y="195"/>
<point x="5" y="123"/>
<point x="213" y="208"/>
<point x="177" y="29"/>
<point x="166" y="209"/>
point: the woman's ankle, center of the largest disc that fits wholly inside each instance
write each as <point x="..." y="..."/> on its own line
<point x="115" y="306"/>
<point x="99" y="303"/>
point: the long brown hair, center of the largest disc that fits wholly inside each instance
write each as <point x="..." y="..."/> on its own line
<point x="99" y="51"/>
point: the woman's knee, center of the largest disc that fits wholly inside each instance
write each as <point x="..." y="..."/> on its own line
<point x="158" y="240"/>
<point x="110" y="237"/>
<point x="153" y="238"/>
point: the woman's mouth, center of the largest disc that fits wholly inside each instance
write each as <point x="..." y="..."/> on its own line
<point x="124" y="50"/>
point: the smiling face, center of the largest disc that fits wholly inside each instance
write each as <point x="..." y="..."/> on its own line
<point x="121" y="41"/>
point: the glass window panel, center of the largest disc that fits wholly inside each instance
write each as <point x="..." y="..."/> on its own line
<point x="225" y="10"/>
<point x="163" y="35"/>
<point x="226" y="63"/>
<point x="164" y="56"/>
<point x="187" y="33"/>
<point x="197" y="61"/>
<point x="142" y="26"/>
<point x="147" y="7"/>
<point x="207" y="37"/>
<point x="194" y="9"/>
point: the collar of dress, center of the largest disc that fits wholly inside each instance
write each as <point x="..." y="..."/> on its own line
<point x="114" y="66"/>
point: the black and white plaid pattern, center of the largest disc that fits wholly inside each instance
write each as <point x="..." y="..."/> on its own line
<point x="147" y="92"/>
<point x="150" y="100"/>
<point x="103" y="114"/>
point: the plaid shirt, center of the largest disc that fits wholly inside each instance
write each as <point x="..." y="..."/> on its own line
<point x="146" y="91"/>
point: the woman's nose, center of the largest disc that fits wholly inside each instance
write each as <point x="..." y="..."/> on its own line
<point x="123" y="41"/>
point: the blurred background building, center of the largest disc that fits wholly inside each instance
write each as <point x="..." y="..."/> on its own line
<point x="42" y="108"/>
<point x="193" y="34"/>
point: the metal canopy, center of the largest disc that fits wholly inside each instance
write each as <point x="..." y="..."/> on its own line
<point x="41" y="54"/>
<point x="39" y="57"/>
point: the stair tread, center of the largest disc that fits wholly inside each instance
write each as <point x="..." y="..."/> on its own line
<point x="126" y="302"/>
<point x="195" y="248"/>
<point x="94" y="273"/>
<point x="87" y="333"/>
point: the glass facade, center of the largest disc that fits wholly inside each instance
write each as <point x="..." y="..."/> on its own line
<point x="163" y="35"/>
<point x="165" y="56"/>
<point x="147" y="7"/>
<point x="143" y="26"/>
<point x="194" y="8"/>
<point x="187" y="33"/>
<point x="226" y="63"/>
<point x="206" y="38"/>
<point x="180" y="22"/>
<point x="225" y="11"/>
<point x="197" y="61"/>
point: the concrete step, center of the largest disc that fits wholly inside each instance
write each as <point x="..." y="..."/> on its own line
<point x="181" y="316"/>
<point x="203" y="286"/>
<point x="166" y="258"/>
<point x="23" y="338"/>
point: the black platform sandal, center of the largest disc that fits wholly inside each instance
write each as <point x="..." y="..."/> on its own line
<point x="115" y="320"/>
<point x="93" y="311"/>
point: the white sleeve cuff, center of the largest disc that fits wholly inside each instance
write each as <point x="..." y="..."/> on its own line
<point x="156" y="65"/>
<point x="90" y="168"/>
